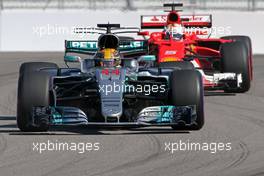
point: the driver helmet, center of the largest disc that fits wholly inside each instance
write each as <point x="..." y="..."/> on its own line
<point x="175" y="31"/>
<point x="111" y="57"/>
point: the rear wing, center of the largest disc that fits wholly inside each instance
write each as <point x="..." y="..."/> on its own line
<point x="126" y="47"/>
<point x="189" y="21"/>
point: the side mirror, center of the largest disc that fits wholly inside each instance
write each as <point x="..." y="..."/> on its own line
<point x="147" y="58"/>
<point x="143" y="33"/>
<point x="68" y="58"/>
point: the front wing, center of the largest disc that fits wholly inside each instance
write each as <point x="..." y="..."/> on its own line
<point x="150" y="116"/>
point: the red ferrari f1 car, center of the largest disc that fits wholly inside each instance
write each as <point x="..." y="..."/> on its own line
<point x="225" y="63"/>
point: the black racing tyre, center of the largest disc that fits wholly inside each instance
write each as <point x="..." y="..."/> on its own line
<point x="187" y="89"/>
<point x="247" y="41"/>
<point x="180" y="65"/>
<point x="36" y="66"/>
<point x="235" y="60"/>
<point x="33" y="90"/>
<point x="239" y="38"/>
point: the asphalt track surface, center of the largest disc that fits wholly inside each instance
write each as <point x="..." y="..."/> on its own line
<point x="235" y="119"/>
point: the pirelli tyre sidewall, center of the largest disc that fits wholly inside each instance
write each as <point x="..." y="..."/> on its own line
<point x="33" y="90"/>
<point x="235" y="60"/>
<point x="187" y="89"/>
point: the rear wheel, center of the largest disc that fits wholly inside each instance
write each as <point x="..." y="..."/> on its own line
<point x="187" y="89"/>
<point x="235" y="60"/>
<point x="33" y="90"/>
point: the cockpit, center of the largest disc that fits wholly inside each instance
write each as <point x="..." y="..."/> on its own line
<point x="108" y="53"/>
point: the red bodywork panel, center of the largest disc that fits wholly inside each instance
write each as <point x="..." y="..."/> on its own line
<point x="167" y="49"/>
<point x="174" y="50"/>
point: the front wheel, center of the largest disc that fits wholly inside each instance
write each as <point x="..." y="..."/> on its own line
<point x="187" y="89"/>
<point x="33" y="90"/>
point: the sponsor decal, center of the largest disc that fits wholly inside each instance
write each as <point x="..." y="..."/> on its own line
<point x="94" y="45"/>
<point x="88" y="45"/>
<point x="170" y="52"/>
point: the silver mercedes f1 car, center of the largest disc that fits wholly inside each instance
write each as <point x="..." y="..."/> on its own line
<point x="115" y="84"/>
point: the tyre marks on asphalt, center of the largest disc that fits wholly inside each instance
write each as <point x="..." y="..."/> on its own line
<point x="65" y="166"/>
<point x="243" y="155"/>
<point x="153" y="153"/>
